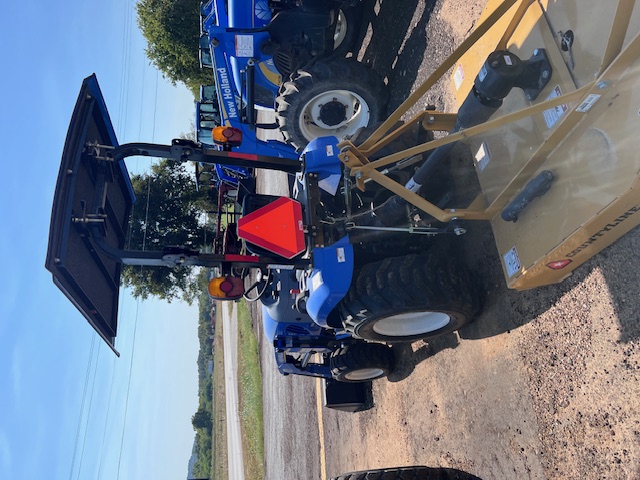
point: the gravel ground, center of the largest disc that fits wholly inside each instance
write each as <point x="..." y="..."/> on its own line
<point x="545" y="383"/>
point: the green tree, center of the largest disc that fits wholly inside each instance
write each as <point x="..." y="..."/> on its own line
<point x="171" y="28"/>
<point x="168" y="211"/>
<point x="202" y="420"/>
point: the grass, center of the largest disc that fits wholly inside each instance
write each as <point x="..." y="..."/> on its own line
<point x="219" y="465"/>
<point x="250" y="396"/>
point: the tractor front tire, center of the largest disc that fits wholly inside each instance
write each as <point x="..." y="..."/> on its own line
<point x="361" y="362"/>
<point x="330" y="97"/>
<point x="403" y="299"/>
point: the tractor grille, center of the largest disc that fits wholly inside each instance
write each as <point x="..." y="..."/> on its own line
<point x="284" y="62"/>
<point x="296" y="330"/>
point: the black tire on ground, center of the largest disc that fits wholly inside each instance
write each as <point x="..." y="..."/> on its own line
<point x="331" y="97"/>
<point x="403" y="299"/>
<point x="408" y="473"/>
<point x="347" y="30"/>
<point x="361" y="362"/>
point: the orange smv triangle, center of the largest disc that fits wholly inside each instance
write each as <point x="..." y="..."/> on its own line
<point x="276" y="227"/>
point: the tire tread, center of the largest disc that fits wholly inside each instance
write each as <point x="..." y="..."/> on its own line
<point x="411" y="282"/>
<point x="408" y="473"/>
<point x="335" y="73"/>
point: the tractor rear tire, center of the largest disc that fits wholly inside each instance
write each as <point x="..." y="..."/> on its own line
<point x="403" y="299"/>
<point x="408" y="473"/>
<point x="361" y="362"/>
<point x="331" y="97"/>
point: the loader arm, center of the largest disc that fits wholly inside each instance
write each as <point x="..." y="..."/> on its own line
<point x="92" y="204"/>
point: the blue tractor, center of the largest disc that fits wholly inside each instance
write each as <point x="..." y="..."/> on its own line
<point x="335" y="289"/>
<point x="286" y="56"/>
<point x="290" y="56"/>
<point x="208" y="118"/>
<point x="345" y="286"/>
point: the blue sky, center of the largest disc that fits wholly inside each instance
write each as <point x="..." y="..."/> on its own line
<point x="45" y="344"/>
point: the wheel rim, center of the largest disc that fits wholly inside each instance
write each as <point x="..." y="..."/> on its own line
<point x="364" y="374"/>
<point x="356" y="115"/>
<point x="411" y="324"/>
<point x="341" y="29"/>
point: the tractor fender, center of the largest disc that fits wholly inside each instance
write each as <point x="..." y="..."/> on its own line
<point x="321" y="156"/>
<point x="330" y="279"/>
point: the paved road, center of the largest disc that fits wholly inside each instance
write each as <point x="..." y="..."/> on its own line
<point x="291" y="426"/>
<point x="267" y="116"/>
<point x="234" y="440"/>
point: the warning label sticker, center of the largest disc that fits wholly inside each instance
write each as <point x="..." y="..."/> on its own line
<point x="458" y="77"/>
<point x="512" y="262"/>
<point x="552" y="115"/>
<point x="316" y="281"/>
<point x="244" y="46"/>
<point x="482" y="157"/>
<point x="589" y="102"/>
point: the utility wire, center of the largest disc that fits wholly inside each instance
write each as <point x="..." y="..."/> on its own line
<point x="84" y="397"/>
<point x="126" y="404"/>
<point x="144" y="240"/>
<point x="126" y="66"/>
<point x="122" y="116"/>
<point x="144" y="72"/>
<point x="124" y="97"/>
<point x="106" y="420"/>
<point x="86" y="426"/>
<point x="155" y="108"/>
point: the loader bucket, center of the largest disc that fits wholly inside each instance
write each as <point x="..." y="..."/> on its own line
<point x="347" y="397"/>
<point x="87" y="277"/>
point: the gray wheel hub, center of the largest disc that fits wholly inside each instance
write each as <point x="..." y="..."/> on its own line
<point x="333" y="113"/>
<point x="364" y="374"/>
<point x="411" y="323"/>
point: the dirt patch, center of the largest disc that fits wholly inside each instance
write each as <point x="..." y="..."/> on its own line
<point x="581" y="357"/>
<point x="545" y="383"/>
